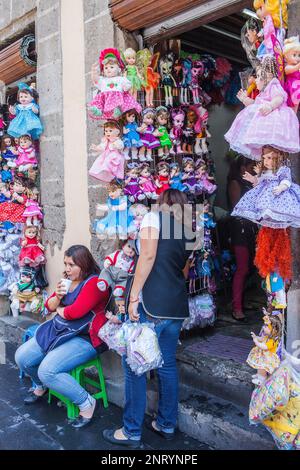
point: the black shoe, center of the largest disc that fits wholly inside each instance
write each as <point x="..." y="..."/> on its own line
<point x="108" y="435"/>
<point x="32" y="398"/>
<point x="80" y="422"/>
<point x="169" y="436"/>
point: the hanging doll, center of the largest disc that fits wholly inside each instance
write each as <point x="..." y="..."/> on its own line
<point x="205" y="181"/>
<point x="251" y="40"/>
<point x="146" y="182"/>
<point x="131" y="137"/>
<point x="176" y="134"/>
<point x="148" y="135"/>
<point x="273" y="14"/>
<point x="176" y="177"/>
<point x="119" y="220"/>
<point x="178" y="77"/>
<point x="274" y="201"/>
<point x="189" y="135"/>
<point x="139" y="211"/>
<point x="201" y="130"/>
<point x="12" y="210"/>
<point x="9" y="151"/>
<point x="193" y="274"/>
<point x="32" y="252"/>
<point x="113" y="96"/>
<point x="27" y="120"/>
<point x="132" y="72"/>
<point x="187" y="65"/>
<point x="205" y="269"/>
<point x="291" y="53"/>
<point x="6" y="174"/>
<point x="189" y="179"/>
<point x="196" y="72"/>
<point x="263" y="356"/>
<point x="162" y="179"/>
<point x="24" y="292"/>
<point x="2" y="125"/>
<point x="27" y="157"/>
<point x="132" y="189"/>
<point x="266" y="119"/>
<point x="148" y="64"/>
<point x="166" y="68"/>
<point x="117" y="266"/>
<point x="5" y="194"/>
<point x="33" y="213"/>
<point x="206" y="218"/>
<point x="162" y="122"/>
<point x="110" y="161"/>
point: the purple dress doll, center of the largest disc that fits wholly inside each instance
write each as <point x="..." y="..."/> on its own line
<point x="132" y="188"/>
<point x="189" y="180"/>
<point x="148" y="135"/>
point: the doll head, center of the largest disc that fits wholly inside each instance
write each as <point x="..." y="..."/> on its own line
<point x="18" y="185"/>
<point x="149" y="116"/>
<point x="138" y="211"/>
<point x="188" y="165"/>
<point x="31" y="232"/>
<point x="115" y="189"/>
<point x="251" y="30"/>
<point x="201" y="117"/>
<point x="266" y="72"/>
<point x="112" y="130"/>
<point x="191" y="117"/>
<point x="275" y="8"/>
<point x="162" y="116"/>
<point x="130" y="117"/>
<point x="128" y="248"/>
<point x="272" y="159"/>
<point x="201" y="170"/>
<point x="177" y="66"/>
<point x="197" y="69"/>
<point x="25" y="94"/>
<point x="291" y="50"/>
<point x="25" y="141"/>
<point x="178" y="118"/>
<point x="145" y="171"/>
<point x="174" y="169"/>
<point x="166" y="64"/>
<point x="132" y="170"/>
<point x="272" y="327"/>
<point x="33" y="193"/>
<point x="163" y="169"/>
<point x="130" y="56"/>
<point x="111" y="64"/>
<point x="27" y="275"/>
<point x="6" y="142"/>
<point x="16" y="141"/>
<point x="187" y="65"/>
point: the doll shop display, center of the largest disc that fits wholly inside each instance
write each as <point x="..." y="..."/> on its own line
<point x="26" y="154"/>
<point x="162" y="122"/>
<point x="149" y="135"/>
<point x="132" y="188"/>
<point x="32" y="251"/>
<point x="131" y="137"/>
<point x="146" y="182"/>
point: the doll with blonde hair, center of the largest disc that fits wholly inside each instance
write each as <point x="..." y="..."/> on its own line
<point x="291" y="53"/>
<point x="132" y="72"/>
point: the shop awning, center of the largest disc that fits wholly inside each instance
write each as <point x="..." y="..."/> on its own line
<point x="18" y="60"/>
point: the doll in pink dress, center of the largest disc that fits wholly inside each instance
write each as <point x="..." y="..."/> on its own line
<point x="113" y="98"/>
<point x="32" y="252"/>
<point x="110" y="162"/>
<point x="267" y="119"/>
<point x="146" y="182"/>
<point x="27" y="158"/>
<point x="2" y="125"/>
<point x="33" y="213"/>
<point x="205" y="181"/>
<point x="291" y="53"/>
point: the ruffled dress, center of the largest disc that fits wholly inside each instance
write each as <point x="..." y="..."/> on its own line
<point x="192" y="185"/>
<point x="9" y="156"/>
<point x="32" y="210"/>
<point x="133" y="190"/>
<point x="260" y="205"/>
<point x="26" y="122"/>
<point x="165" y="181"/>
<point x="148" y="139"/>
<point x="132" y="139"/>
<point x="206" y="185"/>
<point x="11" y="211"/>
<point x="164" y="139"/>
<point x="110" y="163"/>
<point x="147" y="185"/>
<point x="113" y="99"/>
<point x="31" y="254"/>
<point x="267" y="360"/>
<point x="176" y="182"/>
<point x="26" y="156"/>
<point x="117" y="222"/>
<point x="133" y="77"/>
<point x="251" y="130"/>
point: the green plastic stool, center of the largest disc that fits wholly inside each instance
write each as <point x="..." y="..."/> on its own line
<point x="79" y="375"/>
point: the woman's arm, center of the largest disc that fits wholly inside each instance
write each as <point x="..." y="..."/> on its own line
<point x="89" y="297"/>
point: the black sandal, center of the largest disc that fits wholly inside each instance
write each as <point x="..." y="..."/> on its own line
<point x="165" y="435"/>
<point x="108" y="435"/>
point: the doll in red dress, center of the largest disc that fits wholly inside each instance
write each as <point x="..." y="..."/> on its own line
<point x="32" y="252"/>
<point x="12" y="211"/>
<point x="162" y="179"/>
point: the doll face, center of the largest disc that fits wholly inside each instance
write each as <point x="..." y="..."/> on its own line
<point x="148" y="119"/>
<point x="163" y="172"/>
<point x="128" y="250"/>
<point x="132" y="172"/>
<point x="162" y="119"/>
<point x="262" y="12"/>
<point x="251" y="35"/>
<point x="25" y="278"/>
<point x="17" y="141"/>
<point x="25" y="142"/>
<point x="111" y="132"/>
<point x="260" y="82"/>
<point x="178" y="120"/>
<point x="31" y="232"/>
<point x="7" y="142"/>
<point x="115" y="194"/>
<point x="130" y="117"/>
<point x="189" y="168"/>
<point x="130" y="60"/>
<point x="145" y="172"/>
<point x="18" y="187"/>
<point x="71" y="269"/>
<point x="268" y="160"/>
<point x="111" y="69"/>
<point x="292" y="57"/>
<point x="25" y="98"/>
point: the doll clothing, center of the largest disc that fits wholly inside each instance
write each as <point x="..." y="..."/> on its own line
<point x="33" y="210"/>
<point x="147" y="185"/>
<point x="206" y="185"/>
<point x="164" y="180"/>
<point x="113" y="99"/>
<point x="133" y="190"/>
<point x="164" y="139"/>
<point x="153" y="79"/>
<point x="149" y="140"/>
<point x="132" y="139"/>
<point x="260" y="205"/>
<point x="114" y="277"/>
<point x="26" y="122"/>
<point x="6" y="176"/>
<point x="292" y="87"/>
<point x="110" y="163"/>
<point x="11" y="211"/>
<point x="133" y="77"/>
<point x="266" y="47"/>
<point x="176" y="182"/>
<point x="189" y="136"/>
<point x="8" y="154"/>
<point x="191" y="184"/>
<point x="31" y="254"/>
<point x="267" y="360"/>
<point x="251" y="130"/>
<point x="26" y="156"/>
<point x="117" y="222"/>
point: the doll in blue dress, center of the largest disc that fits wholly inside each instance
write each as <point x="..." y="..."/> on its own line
<point x="119" y="222"/>
<point x="27" y="120"/>
<point x="176" y="177"/>
<point x="131" y="137"/>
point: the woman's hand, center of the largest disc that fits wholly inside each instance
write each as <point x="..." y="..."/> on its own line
<point x="60" y="312"/>
<point x="133" y="311"/>
<point x="60" y="291"/>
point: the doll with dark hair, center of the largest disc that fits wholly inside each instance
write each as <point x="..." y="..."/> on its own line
<point x="27" y="120"/>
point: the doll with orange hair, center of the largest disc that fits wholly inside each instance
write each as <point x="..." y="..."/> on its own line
<point x="274" y="201"/>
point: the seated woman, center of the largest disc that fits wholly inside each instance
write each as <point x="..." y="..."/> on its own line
<point x="49" y="364"/>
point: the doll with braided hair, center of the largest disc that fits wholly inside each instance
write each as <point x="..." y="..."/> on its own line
<point x="267" y="119"/>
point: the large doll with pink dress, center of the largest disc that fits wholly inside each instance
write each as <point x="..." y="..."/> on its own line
<point x="113" y="97"/>
<point x="265" y="119"/>
<point x="291" y="53"/>
<point x="110" y="161"/>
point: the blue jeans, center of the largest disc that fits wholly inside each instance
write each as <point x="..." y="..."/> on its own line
<point x="135" y="386"/>
<point x="51" y="370"/>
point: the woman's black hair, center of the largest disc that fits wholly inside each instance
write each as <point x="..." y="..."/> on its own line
<point x="83" y="258"/>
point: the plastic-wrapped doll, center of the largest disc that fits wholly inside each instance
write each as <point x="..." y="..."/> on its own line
<point x="176" y="177"/>
<point x="5" y="194"/>
<point x="166" y="68"/>
<point x="27" y="120"/>
<point x="117" y="266"/>
<point x="33" y="213"/>
<point x="272" y="13"/>
<point x="113" y="98"/>
<point x="110" y="162"/>
<point x="119" y="220"/>
<point x="131" y="137"/>
<point x="9" y="151"/>
<point x="117" y="318"/>
<point x="189" y="179"/>
<point x="201" y="130"/>
<point x="148" y="135"/>
<point x="132" y="189"/>
<point x="132" y="72"/>
<point x="162" y="122"/>
<point x="162" y="179"/>
<point x="148" y="63"/>
<point x="6" y="174"/>
<point x="189" y="134"/>
<point x="291" y="53"/>
<point x="176" y="134"/>
<point x="2" y="125"/>
<point x="266" y="119"/>
<point x="27" y="157"/>
<point x="12" y="210"/>
<point x="251" y="40"/>
<point x="138" y="211"/>
<point x="187" y="65"/>
<point x="32" y="252"/>
<point x="274" y="201"/>
<point x="146" y="182"/>
<point x="24" y="292"/>
<point x="204" y="180"/>
<point x="206" y="218"/>
<point x="196" y="72"/>
<point x="263" y="356"/>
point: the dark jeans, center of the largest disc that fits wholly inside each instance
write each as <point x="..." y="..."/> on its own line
<point x="135" y="386"/>
<point x="242" y="256"/>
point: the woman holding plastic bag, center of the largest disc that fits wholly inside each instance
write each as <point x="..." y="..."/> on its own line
<point x="158" y="295"/>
